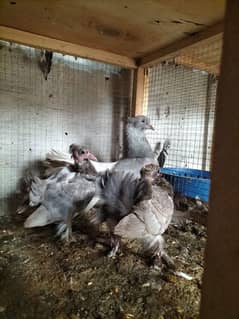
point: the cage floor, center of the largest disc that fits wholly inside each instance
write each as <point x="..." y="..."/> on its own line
<point x="41" y="277"/>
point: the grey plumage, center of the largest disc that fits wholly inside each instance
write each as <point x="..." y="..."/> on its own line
<point x="63" y="196"/>
<point x="157" y="149"/>
<point x="120" y="192"/>
<point x="137" y="148"/>
<point x="164" y="153"/>
<point x="53" y="167"/>
<point x="150" y="217"/>
<point x="156" y="214"/>
<point x="39" y="186"/>
<point x="134" y="165"/>
<point x="61" y="199"/>
<point x="147" y="222"/>
<point x="149" y="211"/>
<point x="138" y="151"/>
<point x="137" y="144"/>
<point x="122" y="195"/>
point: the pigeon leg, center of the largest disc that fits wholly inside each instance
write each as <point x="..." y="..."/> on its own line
<point x="60" y="229"/>
<point x="157" y="261"/>
<point x="21" y="209"/>
<point x="154" y="250"/>
<point x="160" y="258"/>
<point x="115" y="245"/>
<point x="67" y="235"/>
<point x="24" y="205"/>
<point x="168" y="261"/>
<point x="114" y="239"/>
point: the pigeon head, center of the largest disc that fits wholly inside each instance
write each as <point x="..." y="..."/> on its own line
<point x="149" y="171"/>
<point x="79" y="153"/>
<point x="167" y="144"/>
<point x="140" y="122"/>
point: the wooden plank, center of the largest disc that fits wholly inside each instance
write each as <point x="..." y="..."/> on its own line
<point x="138" y="92"/>
<point x="130" y="28"/>
<point x="173" y="49"/>
<point x="221" y="277"/>
<point x="39" y="41"/>
<point x="193" y="62"/>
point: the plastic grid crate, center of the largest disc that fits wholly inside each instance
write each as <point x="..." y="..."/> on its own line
<point x="189" y="182"/>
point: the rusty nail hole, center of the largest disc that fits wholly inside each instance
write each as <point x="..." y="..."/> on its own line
<point x="66" y="133"/>
<point x="30" y="149"/>
<point x="107" y="78"/>
<point x="50" y="95"/>
<point x="126" y="7"/>
<point x="157" y="21"/>
<point x="13" y="2"/>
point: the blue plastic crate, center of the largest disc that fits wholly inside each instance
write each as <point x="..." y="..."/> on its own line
<point x="189" y="182"/>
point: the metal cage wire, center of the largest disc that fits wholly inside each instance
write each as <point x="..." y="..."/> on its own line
<point x="180" y="97"/>
<point x="82" y="101"/>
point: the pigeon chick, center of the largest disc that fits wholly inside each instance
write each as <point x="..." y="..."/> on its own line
<point x="60" y="201"/>
<point x="120" y="191"/>
<point x="147" y="222"/>
<point x="77" y="161"/>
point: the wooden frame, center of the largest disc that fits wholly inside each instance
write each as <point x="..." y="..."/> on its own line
<point x="138" y="91"/>
<point x="221" y="277"/>
<point x="171" y="50"/>
<point x="39" y="41"/>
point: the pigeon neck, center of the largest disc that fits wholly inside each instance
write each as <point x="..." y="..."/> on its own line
<point x="165" y="151"/>
<point x="138" y="146"/>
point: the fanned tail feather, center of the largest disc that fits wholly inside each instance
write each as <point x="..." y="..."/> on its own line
<point x="57" y="156"/>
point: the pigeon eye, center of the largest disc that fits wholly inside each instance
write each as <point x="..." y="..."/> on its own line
<point x="143" y="121"/>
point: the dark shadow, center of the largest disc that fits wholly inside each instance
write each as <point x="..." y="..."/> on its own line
<point x="121" y="85"/>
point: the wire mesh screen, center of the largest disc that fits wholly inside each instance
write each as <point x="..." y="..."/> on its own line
<point x="205" y="55"/>
<point x="82" y="102"/>
<point x="180" y="96"/>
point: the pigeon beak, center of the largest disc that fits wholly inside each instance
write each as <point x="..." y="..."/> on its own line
<point x="92" y="157"/>
<point x="149" y="127"/>
<point x="89" y="156"/>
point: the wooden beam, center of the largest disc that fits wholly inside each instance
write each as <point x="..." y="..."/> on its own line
<point x="138" y="92"/>
<point x="221" y="277"/>
<point x="130" y="28"/>
<point x="196" y="63"/>
<point x="39" y="41"/>
<point x="171" y="50"/>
